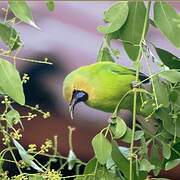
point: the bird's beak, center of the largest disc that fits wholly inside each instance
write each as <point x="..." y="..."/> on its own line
<point x="71" y="107"/>
<point x="78" y="96"/>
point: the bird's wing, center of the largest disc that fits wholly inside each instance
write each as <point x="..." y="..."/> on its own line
<point x="125" y="71"/>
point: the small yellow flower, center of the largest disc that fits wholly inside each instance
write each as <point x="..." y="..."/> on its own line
<point x="25" y="78"/>
<point x="52" y="175"/>
<point x="31" y="116"/>
<point x="4" y="176"/>
<point x="20" y="177"/>
<point x="6" y="100"/>
<point x="6" y="139"/>
<point x="22" y="164"/>
<point x="46" y="115"/>
<point x="46" y="146"/>
<point x="16" y="135"/>
<point x="32" y="148"/>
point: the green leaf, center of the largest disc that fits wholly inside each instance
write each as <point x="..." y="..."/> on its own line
<point x="147" y="108"/>
<point x="144" y="147"/>
<point x="167" y="20"/>
<point x="119" y="159"/>
<point x="91" y="166"/>
<point x="104" y="55"/>
<point x="50" y="5"/>
<point x="102" y="148"/>
<point x="131" y="50"/>
<point x="145" y="165"/>
<point x="10" y="37"/>
<point x="13" y="117"/>
<point x="22" y="11"/>
<point x="133" y="28"/>
<point x="161" y="179"/>
<point x="161" y="91"/>
<point x="171" y="75"/>
<point x="155" y="160"/>
<point x="10" y="82"/>
<point x="36" y="177"/>
<point x="110" y="165"/>
<point x="27" y="158"/>
<point x="175" y="96"/>
<point x="116" y="16"/>
<point x="124" y="151"/>
<point x="168" y="58"/>
<point x="172" y="164"/>
<point x="123" y="164"/>
<point x="166" y="150"/>
<point x="71" y="159"/>
<point x="175" y="153"/>
<point x="118" y="128"/>
<point x="1" y="92"/>
<point x="101" y="173"/>
<point x="127" y="136"/>
<point x="138" y="135"/>
<point x="1" y="164"/>
<point x="168" y="123"/>
<point x="164" y="133"/>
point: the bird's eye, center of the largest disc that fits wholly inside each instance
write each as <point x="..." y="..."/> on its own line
<point x="80" y="96"/>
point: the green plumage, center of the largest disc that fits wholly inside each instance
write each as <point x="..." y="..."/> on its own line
<point x="105" y="83"/>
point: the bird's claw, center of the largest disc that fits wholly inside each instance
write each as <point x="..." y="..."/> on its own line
<point x="135" y="84"/>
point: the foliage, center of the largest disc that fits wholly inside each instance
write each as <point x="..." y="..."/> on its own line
<point x="160" y="104"/>
<point x="148" y="149"/>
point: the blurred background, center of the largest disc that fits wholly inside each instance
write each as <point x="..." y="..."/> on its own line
<point x="69" y="39"/>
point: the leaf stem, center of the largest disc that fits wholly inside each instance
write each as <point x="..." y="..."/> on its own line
<point x="135" y="92"/>
<point x="6" y="13"/>
<point x="153" y="87"/>
<point x="71" y="129"/>
<point x="24" y="59"/>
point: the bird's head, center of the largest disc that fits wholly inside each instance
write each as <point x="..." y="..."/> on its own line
<point x="76" y="89"/>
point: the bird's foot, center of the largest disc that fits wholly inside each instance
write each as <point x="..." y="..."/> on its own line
<point x="135" y="84"/>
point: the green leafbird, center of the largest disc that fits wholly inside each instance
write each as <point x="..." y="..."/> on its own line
<point x="100" y="85"/>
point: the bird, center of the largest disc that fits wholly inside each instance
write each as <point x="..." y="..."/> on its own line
<point x="101" y="85"/>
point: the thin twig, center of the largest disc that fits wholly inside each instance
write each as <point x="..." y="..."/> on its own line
<point x="135" y="92"/>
